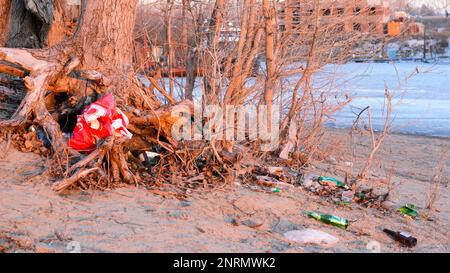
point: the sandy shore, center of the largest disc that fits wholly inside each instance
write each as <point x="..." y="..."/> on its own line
<point x="232" y="219"/>
<point x="412" y="161"/>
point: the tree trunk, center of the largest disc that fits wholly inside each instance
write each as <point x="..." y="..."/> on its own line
<point x="4" y="18"/>
<point x="269" y="85"/>
<point x="57" y="31"/>
<point x="269" y="16"/>
<point x="185" y="47"/>
<point x="192" y="57"/>
<point x="35" y="23"/>
<point x="106" y="36"/>
<point x="185" y="26"/>
<point x="169" y="44"/>
<point x="212" y="59"/>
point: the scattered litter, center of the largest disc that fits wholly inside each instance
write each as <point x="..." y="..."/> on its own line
<point x="324" y="180"/>
<point x="231" y="220"/>
<point x="402" y="237"/>
<point x="343" y="203"/>
<point x="311" y="236"/>
<point x="365" y="195"/>
<point x="347" y="197"/>
<point x="364" y="188"/>
<point x="342" y="194"/>
<point x="276" y="174"/>
<point x="99" y="120"/>
<point x="276" y="190"/>
<point x="274" y="185"/>
<point x="41" y="135"/>
<point x="330" y="219"/>
<point x="276" y="170"/>
<point x="149" y="159"/>
<point x="348" y="164"/>
<point x="308" y="180"/>
<point x="265" y="180"/>
<point x="251" y="223"/>
<point x="409" y="210"/>
<point x="361" y="196"/>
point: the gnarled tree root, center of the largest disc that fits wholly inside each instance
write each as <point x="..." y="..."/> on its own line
<point x="45" y="68"/>
<point x="110" y="150"/>
<point x="46" y="71"/>
<point x="42" y="72"/>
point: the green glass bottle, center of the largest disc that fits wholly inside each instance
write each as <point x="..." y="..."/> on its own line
<point x="409" y="210"/>
<point x="330" y="219"/>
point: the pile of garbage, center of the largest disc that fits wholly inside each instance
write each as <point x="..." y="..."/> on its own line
<point x="344" y="193"/>
<point x="279" y="179"/>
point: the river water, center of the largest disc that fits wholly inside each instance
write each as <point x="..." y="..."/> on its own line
<point x="421" y="95"/>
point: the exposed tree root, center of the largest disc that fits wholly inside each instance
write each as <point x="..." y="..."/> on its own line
<point x="46" y="73"/>
<point x="64" y="184"/>
<point x="94" y="163"/>
<point x="41" y="74"/>
<point x="61" y="80"/>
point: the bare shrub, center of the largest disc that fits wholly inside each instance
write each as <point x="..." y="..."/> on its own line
<point x="438" y="180"/>
<point x="377" y="139"/>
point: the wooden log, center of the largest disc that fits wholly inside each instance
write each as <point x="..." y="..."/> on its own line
<point x="163" y="118"/>
<point x="22" y="58"/>
<point x="65" y="183"/>
<point x="10" y="95"/>
<point x="11" y="71"/>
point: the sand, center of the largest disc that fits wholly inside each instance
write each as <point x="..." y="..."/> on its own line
<point x="233" y="219"/>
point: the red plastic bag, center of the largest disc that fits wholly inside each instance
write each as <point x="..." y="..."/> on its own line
<point x="99" y="120"/>
<point x="119" y="123"/>
<point x="82" y="139"/>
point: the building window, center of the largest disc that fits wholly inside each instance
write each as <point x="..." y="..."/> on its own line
<point x="340" y="11"/>
<point x="357" y="11"/>
<point x="296" y="17"/>
<point x="326" y="12"/>
<point x="356" y="27"/>
<point x="373" y="11"/>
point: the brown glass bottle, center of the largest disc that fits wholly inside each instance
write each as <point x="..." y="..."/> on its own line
<point x="404" y="238"/>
